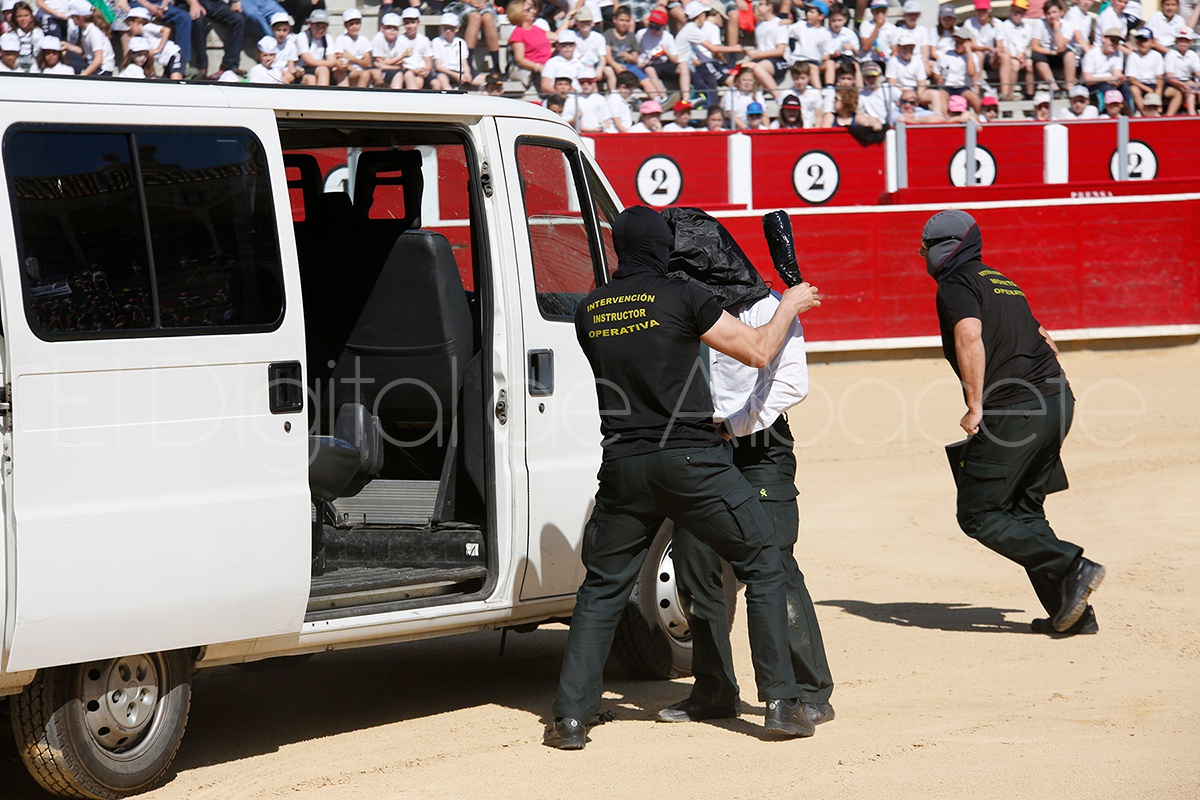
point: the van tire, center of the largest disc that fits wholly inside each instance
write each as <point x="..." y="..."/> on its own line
<point x="59" y="722"/>
<point x="652" y="638"/>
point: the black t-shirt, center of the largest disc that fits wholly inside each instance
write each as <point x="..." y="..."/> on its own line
<point x="641" y="334"/>
<point x="1020" y="365"/>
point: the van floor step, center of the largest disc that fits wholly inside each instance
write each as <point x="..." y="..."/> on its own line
<point x="361" y="579"/>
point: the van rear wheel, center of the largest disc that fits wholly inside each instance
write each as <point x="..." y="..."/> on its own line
<point x="106" y="729"/>
<point x="653" y="638"/>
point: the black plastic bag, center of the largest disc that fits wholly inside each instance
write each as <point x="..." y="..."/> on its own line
<point x="706" y="253"/>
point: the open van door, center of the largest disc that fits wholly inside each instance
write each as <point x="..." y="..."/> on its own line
<point x="156" y="473"/>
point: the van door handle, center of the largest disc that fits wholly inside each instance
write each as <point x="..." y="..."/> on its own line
<point x="285" y="387"/>
<point x="541" y="373"/>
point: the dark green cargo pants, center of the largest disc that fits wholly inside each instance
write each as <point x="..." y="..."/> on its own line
<point x="767" y="460"/>
<point x="1002" y="486"/>
<point x="697" y="488"/>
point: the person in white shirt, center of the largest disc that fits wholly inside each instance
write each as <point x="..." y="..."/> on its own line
<point x="658" y="55"/>
<point x="288" y="56"/>
<point x="1182" y="74"/>
<point x="790" y="114"/>
<point x="810" y="39"/>
<point x="316" y="52"/>
<point x="812" y="104"/>
<point x="563" y="63"/>
<point x="878" y="99"/>
<point x="594" y="115"/>
<point x="769" y="55"/>
<point x="1104" y="66"/>
<point x="1114" y="104"/>
<point x="1079" y="107"/>
<point x="956" y="70"/>
<point x="744" y="93"/>
<point x="94" y="46"/>
<point x="591" y="46"/>
<point x="700" y="46"/>
<point x="1145" y="69"/>
<point x="353" y="52"/>
<point x="50" y="57"/>
<point x="1113" y="17"/>
<point x="418" y="55"/>
<point x="620" y="112"/>
<point x="162" y="50"/>
<point x="877" y="34"/>
<point x="843" y="43"/>
<point x="1013" y="44"/>
<point x="1051" y="47"/>
<point x="137" y="63"/>
<point x="922" y="37"/>
<point x="942" y="39"/>
<point x="651" y="118"/>
<point x="10" y="51"/>
<point x="984" y="29"/>
<point x="28" y="34"/>
<point x="1078" y="22"/>
<point x="906" y="71"/>
<point x="267" y="69"/>
<point x="452" y="58"/>
<point x="683" y="118"/>
<point x="1166" y="24"/>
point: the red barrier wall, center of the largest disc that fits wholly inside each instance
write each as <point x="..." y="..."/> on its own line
<point x="791" y="168"/>
<point x="664" y="169"/>
<point x="1009" y="153"/>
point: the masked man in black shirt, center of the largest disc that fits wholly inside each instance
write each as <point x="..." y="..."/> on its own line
<point x="1019" y="409"/>
<point x="664" y="458"/>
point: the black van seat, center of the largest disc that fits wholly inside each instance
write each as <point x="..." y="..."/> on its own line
<point x="341" y="464"/>
<point x="411" y="343"/>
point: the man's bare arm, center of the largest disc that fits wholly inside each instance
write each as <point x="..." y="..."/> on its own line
<point x="754" y="347"/>
<point x="1049" y="341"/>
<point x="968" y="347"/>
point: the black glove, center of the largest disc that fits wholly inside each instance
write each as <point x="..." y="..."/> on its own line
<point x="777" y="228"/>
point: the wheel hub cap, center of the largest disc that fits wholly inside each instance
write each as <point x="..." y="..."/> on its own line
<point x="666" y="596"/>
<point x="119" y="700"/>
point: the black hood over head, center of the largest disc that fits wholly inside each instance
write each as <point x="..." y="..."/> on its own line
<point x="643" y="242"/>
<point x="956" y="241"/>
<point x="706" y="253"/>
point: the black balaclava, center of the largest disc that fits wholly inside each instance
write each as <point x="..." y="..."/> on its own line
<point x="956" y="239"/>
<point x="705" y="252"/>
<point x="643" y="241"/>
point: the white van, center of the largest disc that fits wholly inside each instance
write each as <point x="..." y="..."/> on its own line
<point x="284" y="370"/>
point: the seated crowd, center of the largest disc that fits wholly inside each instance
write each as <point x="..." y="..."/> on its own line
<point x="716" y="65"/>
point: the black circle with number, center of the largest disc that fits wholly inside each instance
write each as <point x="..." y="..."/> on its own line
<point x="1143" y="162"/>
<point x="981" y="166"/>
<point x="825" y="175"/>
<point x="660" y="193"/>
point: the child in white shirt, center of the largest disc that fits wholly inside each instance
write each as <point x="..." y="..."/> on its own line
<point x="744" y="93"/>
<point x="137" y="63"/>
<point x="353" y="52"/>
<point x="1145" y="69"/>
<point x="267" y="70"/>
<point x="811" y="39"/>
<point x="1182" y="73"/>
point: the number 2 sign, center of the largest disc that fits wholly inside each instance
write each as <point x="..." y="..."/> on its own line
<point x="815" y="177"/>
<point x="659" y="181"/>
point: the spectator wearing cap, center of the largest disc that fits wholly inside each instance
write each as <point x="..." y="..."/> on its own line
<point x="478" y="15"/>
<point x="877" y="34"/>
<point x="907" y="72"/>
<point x="876" y="97"/>
<point x="529" y="47"/>
<point x="10" y="50"/>
<point x="316" y="54"/>
<point x="811" y="101"/>
<point x="49" y="57"/>
<point x="1114" y="104"/>
<point x="683" y="118"/>
<point x="911" y="24"/>
<point x="176" y="21"/>
<point x="267" y="70"/>
<point x="1013" y="51"/>
<point x="843" y="44"/>
<point x="620" y="110"/>
<point x="287" y="58"/>
<point x="389" y="49"/>
<point x="990" y="109"/>
<point x="591" y="46"/>
<point x="234" y="23"/>
<point x="769" y="56"/>
<point x="451" y="58"/>
<point x="1182" y="67"/>
<point x="957" y="72"/>
<point x="659" y="56"/>
<point x="1103" y="67"/>
<point x="93" y="43"/>
<point x="790" y="114"/>
<point x="756" y="117"/>
<point x="594" y="114"/>
<point x="137" y="63"/>
<point x="810" y="39"/>
<point x="958" y="111"/>
<point x="983" y="31"/>
<point x="28" y="34"/>
<point x="942" y="40"/>
<point x="564" y="62"/>
<point x="1078" y="107"/>
<point x="1041" y="106"/>
<point x="493" y="84"/>
<point x="353" y="53"/>
<point x="1166" y="24"/>
<point x="1145" y="69"/>
<point x="416" y="54"/>
<point x="1113" y="17"/>
<point x="744" y="94"/>
<point x="1152" y="105"/>
<point x="1051" y="49"/>
<point x="650" y="121"/>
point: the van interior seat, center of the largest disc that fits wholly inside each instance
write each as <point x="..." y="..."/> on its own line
<point x="341" y="464"/>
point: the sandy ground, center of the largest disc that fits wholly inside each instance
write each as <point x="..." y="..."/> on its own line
<point x="942" y="691"/>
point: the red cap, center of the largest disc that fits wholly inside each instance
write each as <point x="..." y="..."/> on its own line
<point x="682" y="105"/>
<point x="658" y="16"/>
<point x="988" y="100"/>
<point x="982" y="4"/>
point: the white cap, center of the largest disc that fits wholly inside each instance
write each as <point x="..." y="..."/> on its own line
<point x="267" y="44"/>
<point x="9" y="5"/>
<point x="1079" y="90"/>
<point x="351" y="14"/>
<point x="410" y="13"/>
<point x="567" y="37"/>
<point x="229" y="76"/>
<point x="449" y="19"/>
<point x="1186" y="33"/>
<point x="138" y="44"/>
<point x="10" y="43"/>
<point x="586" y="74"/>
<point x="138" y="12"/>
<point x="1041" y="98"/>
<point x="280" y="16"/>
<point x="905" y="38"/>
<point x="695" y="9"/>
<point x="80" y="8"/>
<point x="390" y="20"/>
<point x="50" y="43"/>
<point x="912" y="7"/>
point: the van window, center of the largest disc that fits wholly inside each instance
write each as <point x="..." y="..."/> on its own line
<point x="606" y="215"/>
<point x="563" y="271"/>
<point x="143" y="231"/>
